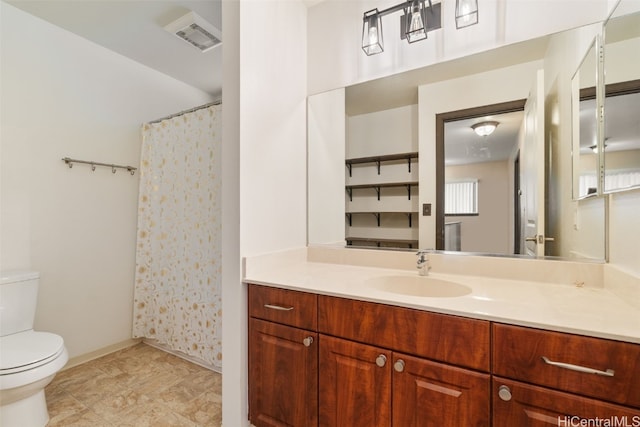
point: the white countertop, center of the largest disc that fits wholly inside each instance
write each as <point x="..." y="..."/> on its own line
<point x="585" y="310"/>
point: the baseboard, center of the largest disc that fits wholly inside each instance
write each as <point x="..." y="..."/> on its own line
<point x="156" y="344"/>
<point x="79" y="360"/>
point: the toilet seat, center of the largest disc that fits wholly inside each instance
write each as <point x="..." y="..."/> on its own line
<point x="28" y="350"/>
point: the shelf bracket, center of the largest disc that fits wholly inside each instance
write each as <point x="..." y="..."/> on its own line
<point x="349" y="167"/>
<point x="410" y="220"/>
<point x="350" y="191"/>
<point x="408" y="191"/>
<point x="378" y="191"/>
<point x="348" y="216"/>
<point x="377" y="215"/>
<point x="378" y="164"/>
<point x="409" y="162"/>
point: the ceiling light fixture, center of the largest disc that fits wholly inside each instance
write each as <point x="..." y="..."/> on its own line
<point x="484" y="128"/>
<point x="193" y="29"/>
<point x="416" y="21"/>
<point x="372" y="42"/>
<point x="466" y="13"/>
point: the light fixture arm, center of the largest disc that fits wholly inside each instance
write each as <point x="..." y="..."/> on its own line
<point x="402" y="6"/>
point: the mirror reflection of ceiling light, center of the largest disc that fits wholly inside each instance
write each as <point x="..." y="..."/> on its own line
<point x="594" y="148"/>
<point x="484" y="128"/>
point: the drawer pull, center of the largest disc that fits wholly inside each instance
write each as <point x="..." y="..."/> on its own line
<point x="307" y="341"/>
<point x="607" y="373"/>
<point x="278" y="307"/>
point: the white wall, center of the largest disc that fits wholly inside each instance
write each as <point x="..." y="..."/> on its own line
<point x="384" y="132"/>
<point x="335" y="29"/>
<point x="264" y="161"/>
<point x="64" y="96"/>
<point x="273" y="127"/>
<point x="491" y="230"/>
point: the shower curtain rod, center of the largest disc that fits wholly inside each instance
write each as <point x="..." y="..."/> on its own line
<point x="190" y="110"/>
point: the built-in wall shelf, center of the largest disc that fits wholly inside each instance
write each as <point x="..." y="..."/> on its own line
<point x="379" y="214"/>
<point x="411" y="244"/>
<point x="380" y="159"/>
<point x="377" y="187"/>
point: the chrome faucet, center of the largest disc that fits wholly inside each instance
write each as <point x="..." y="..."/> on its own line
<point x="423" y="264"/>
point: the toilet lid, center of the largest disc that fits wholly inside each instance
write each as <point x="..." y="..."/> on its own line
<point x="28" y="350"/>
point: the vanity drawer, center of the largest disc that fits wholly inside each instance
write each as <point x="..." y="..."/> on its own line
<point x="556" y="360"/>
<point x="293" y="308"/>
<point x="451" y="339"/>
<point x="519" y="404"/>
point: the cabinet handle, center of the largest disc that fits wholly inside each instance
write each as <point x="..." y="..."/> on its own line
<point x="278" y="307"/>
<point x="381" y="360"/>
<point x="607" y="373"/>
<point x="504" y="393"/>
<point x="399" y="365"/>
<point x="307" y="341"/>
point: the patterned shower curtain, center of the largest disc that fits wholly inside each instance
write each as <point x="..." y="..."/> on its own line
<point x="177" y="299"/>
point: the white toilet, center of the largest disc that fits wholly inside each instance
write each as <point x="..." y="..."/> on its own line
<point x="28" y="359"/>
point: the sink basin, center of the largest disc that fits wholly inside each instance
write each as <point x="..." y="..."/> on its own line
<point x="419" y="286"/>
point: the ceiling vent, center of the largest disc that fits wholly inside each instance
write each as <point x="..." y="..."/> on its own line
<point x="193" y="29"/>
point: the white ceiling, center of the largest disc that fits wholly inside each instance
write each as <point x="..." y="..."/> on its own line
<point x="464" y="146"/>
<point x="135" y="29"/>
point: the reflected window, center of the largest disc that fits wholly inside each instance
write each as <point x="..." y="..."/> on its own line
<point x="461" y="197"/>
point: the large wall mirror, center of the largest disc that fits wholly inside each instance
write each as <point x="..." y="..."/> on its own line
<point x="382" y="190"/>
<point x="585" y="104"/>
<point x="622" y="101"/>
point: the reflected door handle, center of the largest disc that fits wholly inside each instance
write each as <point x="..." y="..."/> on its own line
<point x="539" y="239"/>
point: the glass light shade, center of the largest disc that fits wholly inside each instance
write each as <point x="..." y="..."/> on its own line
<point x="484" y="128"/>
<point x="416" y="21"/>
<point x="372" y="42"/>
<point x="466" y="13"/>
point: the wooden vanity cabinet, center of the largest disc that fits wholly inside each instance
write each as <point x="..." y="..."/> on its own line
<point x="283" y="359"/>
<point x="381" y="385"/>
<point x="324" y="361"/>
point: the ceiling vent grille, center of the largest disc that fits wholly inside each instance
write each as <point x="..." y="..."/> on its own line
<point x="193" y="29"/>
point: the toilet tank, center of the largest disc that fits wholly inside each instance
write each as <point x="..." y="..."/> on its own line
<point x="18" y="298"/>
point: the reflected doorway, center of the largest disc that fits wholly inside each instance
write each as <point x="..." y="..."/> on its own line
<point x="477" y="179"/>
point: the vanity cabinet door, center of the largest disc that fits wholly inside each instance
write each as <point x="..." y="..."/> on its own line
<point x="283" y="375"/>
<point x="354" y="384"/>
<point x="524" y="405"/>
<point x="430" y="394"/>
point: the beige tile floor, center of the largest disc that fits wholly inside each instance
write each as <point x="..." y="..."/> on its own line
<point x="138" y="386"/>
